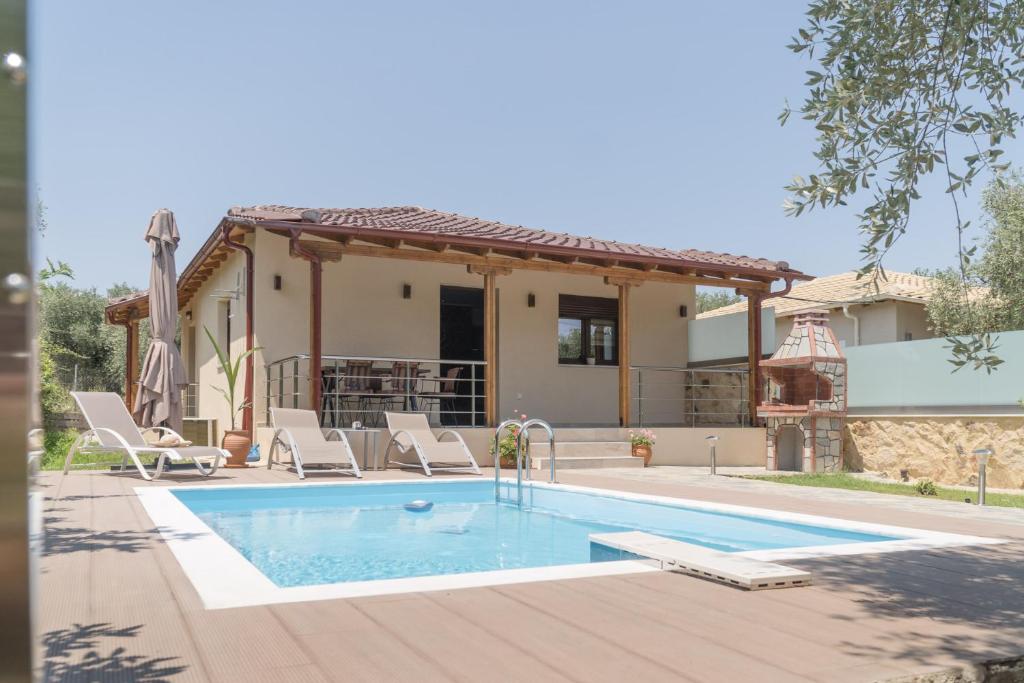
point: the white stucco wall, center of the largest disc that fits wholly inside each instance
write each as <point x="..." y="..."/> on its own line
<point x="880" y="323"/>
<point x="204" y="309"/>
<point x="364" y="314"/>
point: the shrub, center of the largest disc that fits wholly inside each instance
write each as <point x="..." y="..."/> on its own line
<point x="926" y="487"/>
<point x="56" y="443"/>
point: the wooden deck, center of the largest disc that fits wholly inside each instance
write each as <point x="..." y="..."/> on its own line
<point x="115" y="605"/>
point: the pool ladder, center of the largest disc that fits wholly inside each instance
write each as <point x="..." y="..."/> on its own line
<point x="524" y="428"/>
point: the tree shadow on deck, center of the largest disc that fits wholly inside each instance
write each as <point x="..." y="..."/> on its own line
<point x="969" y="601"/>
<point x="59" y="540"/>
<point x="77" y="654"/>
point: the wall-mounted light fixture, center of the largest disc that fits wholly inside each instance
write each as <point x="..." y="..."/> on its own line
<point x="531" y="300"/>
<point x="188" y="315"/>
<point x="277" y="283"/>
<point x="407" y="291"/>
<point x="683" y="311"/>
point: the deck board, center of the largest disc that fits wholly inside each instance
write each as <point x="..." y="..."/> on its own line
<point x="115" y="605"/>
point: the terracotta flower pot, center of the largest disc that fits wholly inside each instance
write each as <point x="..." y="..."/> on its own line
<point x="643" y="452"/>
<point x="237" y="443"/>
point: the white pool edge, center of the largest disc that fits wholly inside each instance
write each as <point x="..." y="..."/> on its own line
<point x="223" y="578"/>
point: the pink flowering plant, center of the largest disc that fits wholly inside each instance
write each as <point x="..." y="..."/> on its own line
<point x="506" y="448"/>
<point x="644" y="437"/>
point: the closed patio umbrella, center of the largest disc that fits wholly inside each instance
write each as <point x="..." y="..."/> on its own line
<point x="158" y="400"/>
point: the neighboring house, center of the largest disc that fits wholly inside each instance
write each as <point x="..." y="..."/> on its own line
<point x="382" y="306"/>
<point x="861" y="311"/>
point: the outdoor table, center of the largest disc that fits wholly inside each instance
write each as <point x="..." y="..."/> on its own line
<point x="367" y="433"/>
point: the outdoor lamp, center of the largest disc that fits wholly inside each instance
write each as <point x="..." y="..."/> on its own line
<point x="982" y="455"/>
<point x="712" y="440"/>
<point x="406" y="291"/>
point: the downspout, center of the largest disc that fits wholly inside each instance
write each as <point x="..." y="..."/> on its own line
<point x="225" y="236"/>
<point x="856" y="324"/>
<point x="315" y="298"/>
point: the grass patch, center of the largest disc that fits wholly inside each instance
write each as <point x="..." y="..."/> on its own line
<point x="847" y="481"/>
<point x="57" y="442"/>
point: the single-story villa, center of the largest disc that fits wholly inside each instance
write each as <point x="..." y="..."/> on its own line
<point x="469" y="320"/>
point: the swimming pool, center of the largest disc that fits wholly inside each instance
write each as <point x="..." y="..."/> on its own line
<point x="293" y="542"/>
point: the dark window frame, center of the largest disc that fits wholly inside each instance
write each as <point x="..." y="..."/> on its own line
<point x="586" y="310"/>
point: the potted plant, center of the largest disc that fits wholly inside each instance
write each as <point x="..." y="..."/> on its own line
<point x="237" y="442"/>
<point x="591" y="359"/>
<point x="642" y="443"/>
<point x="506" y="448"/>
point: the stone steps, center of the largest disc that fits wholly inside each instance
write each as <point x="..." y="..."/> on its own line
<point x="584" y="455"/>
<point x="582" y="462"/>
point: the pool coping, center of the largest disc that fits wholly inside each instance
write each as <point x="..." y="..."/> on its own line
<point x="224" y="578"/>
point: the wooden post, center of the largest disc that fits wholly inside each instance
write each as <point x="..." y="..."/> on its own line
<point x="625" y="285"/>
<point x="753" y="353"/>
<point x="624" y="354"/>
<point x="315" y="332"/>
<point x="491" y="348"/>
<point x="131" y="362"/>
<point x="296" y="248"/>
<point x="490" y="274"/>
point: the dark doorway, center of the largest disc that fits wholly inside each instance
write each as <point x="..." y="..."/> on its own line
<point x="789" y="446"/>
<point x="462" y="339"/>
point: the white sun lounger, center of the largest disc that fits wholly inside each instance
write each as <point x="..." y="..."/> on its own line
<point x="112" y="426"/>
<point x="411" y="431"/>
<point x="299" y="433"/>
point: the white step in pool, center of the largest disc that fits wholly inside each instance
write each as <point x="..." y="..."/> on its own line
<point x="729" y="568"/>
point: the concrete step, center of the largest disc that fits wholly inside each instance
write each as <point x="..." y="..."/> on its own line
<point x="581" y="449"/>
<point x="586" y="463"/>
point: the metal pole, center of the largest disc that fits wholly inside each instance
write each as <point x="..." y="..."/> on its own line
<point x="982" y="454"/>
<point x="712" y="440"/>
<point x="640" y="396"/>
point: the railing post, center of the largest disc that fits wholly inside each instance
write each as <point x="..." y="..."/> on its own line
<point x="640" y="396"/>
<point x="295" y="383"/>
<point x="472" y="394"/>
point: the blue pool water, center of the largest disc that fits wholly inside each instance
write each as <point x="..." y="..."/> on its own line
<point x="309" y="535"/>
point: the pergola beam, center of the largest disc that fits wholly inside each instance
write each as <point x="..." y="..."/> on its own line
<point x="331" y="249"/>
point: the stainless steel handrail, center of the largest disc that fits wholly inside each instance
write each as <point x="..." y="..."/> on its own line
<point x="287" y="377"/>
<point x="497" y="454"/>
<point x="524" y="429"/>
<point x="446" y="361"/>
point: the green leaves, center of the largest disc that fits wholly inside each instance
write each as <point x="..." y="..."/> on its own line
<point x="974" y="351"/>
<point x="902" y="89"/>
<point x="232" y="370"/>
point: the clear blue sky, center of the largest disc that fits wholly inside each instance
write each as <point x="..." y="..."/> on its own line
<point x="652" y="122"/>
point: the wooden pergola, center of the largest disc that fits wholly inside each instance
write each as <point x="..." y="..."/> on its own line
<point x="485" y="248"/>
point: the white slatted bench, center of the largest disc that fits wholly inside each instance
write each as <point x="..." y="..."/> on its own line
<point x="714" y="565"/>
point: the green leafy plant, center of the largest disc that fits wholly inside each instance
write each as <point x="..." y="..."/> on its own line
<point x="899" y="90"/>
<point x="926" y="487"/>
<point x="232" y="370"/>
<point x="506" y="447"/>
<point x="645" y="437"/>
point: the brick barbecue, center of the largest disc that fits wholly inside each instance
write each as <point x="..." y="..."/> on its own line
<point x="805" y="406"/>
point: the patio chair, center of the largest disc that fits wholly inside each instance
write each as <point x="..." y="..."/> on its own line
<point x="298" y="432"/>
<point x="444" y="395"/>
<point x="405" y="384"/>
<point x="411" y="431"/>
<point x="112" y="426"/>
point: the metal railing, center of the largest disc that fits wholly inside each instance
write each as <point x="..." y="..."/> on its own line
<point x="361" y="388"/>
<point x="690" y="397"/>
<point x="190" y="400"/>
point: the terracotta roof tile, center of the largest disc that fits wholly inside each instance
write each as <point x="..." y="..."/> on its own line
<point x="413" y="220"/>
